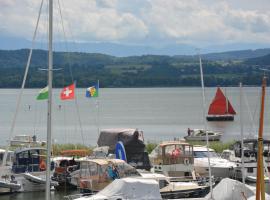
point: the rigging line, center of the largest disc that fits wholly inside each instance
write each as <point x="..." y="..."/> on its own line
<point x="23" y="83"/>
<point x="79" y="118"/>
<point x="253" y="127"/>
<point x="71" y="74"/>
<point x="65" y="37"/>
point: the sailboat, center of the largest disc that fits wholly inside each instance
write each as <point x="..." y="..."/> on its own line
<point x="220" y="109"/>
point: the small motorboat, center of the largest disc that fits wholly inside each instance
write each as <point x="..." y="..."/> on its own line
<point x="38" y="180"/>
<point x="9" y="186"/>
<point x="200" y="135"/>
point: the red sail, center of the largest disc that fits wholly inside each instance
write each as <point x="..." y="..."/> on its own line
<point x="220" y="106"/>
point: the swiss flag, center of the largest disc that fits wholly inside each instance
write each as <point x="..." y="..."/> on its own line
<point x="68" y="92"/>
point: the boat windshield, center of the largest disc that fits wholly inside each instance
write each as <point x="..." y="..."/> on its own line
<point x="203" y="154"/>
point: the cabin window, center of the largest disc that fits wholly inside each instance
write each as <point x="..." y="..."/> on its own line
<point x="250" y="169"/>
<point x="203" y="154"/>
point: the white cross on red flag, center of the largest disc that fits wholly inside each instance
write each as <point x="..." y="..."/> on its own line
<point x="68" y="92"/>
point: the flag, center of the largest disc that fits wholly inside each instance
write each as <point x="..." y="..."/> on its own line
<point x="68" y="92"/>
<point x="43" y="94"/>
<point x="92" y="91"/>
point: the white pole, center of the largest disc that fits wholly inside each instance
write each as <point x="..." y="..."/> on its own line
<point x="205" y="128"/>
<point x="98" y="116"/>
<point x="49" y="117"/>
<point x="242" y="136"/>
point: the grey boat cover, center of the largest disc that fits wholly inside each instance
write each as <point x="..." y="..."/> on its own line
<point x="109" y="137"/>
<point x="229" y="189"/>
<point x="128" y="188"/>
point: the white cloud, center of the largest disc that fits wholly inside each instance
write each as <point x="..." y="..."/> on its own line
<point x="196" y="22"/>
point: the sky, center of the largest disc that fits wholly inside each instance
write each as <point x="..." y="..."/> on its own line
<point x="138" y="22"/>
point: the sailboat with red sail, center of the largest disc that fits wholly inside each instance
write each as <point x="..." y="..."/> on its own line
<point x="220" y="109"/>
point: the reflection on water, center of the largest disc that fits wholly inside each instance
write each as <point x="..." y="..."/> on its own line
<point x="55" y="195"/>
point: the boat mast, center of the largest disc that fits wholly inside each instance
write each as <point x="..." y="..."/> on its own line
<point x="49" y="116"/>
<point x="207" y="138"/>
<point x="242" y="137"/>
<point x="260" y="189"/>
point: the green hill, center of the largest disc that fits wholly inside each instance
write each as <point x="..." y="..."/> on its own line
<point x="133" y="71"/>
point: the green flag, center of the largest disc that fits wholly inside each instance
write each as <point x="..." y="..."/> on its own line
<point x="43" y="93"/>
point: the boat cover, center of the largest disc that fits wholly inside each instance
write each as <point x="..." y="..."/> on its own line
<point x="128" y="188"/>
<point x="229" y="189"/>
<point x="109" y="137"/>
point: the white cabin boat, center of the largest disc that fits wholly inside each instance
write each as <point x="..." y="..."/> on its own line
<point x="25" y="140"/>
<point x="220" y="168"/>
<point x="27" y="170"/>
<point x="173" y="159"/>
<point x="200" y="135"/>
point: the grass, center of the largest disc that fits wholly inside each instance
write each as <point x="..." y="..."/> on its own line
<point x="57" y="148"/>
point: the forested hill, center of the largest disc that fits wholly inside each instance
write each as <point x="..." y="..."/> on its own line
<point x="225" y="69"/>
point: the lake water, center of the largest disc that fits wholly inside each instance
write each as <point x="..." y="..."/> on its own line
<point x="162" y="113"/>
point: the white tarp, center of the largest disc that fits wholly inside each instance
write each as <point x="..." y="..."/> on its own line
<point x="128" y="188"/>
<point x="229" y="189"/>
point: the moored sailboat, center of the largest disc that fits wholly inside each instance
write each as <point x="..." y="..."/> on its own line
<point x="220" y="109"/>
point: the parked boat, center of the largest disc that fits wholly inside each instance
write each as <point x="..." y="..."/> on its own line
<point x="250" y="158"/>
<point x="27" y="170"/>
<point x="173" y="189"/>
<point x="173" y="159"/>
<point x="220" y="109"/>
<point x="26" y="140"/>
<point x="9" y="185"/>
<point x="200" y="135"/>
<point x="133" y="142"/>
<point x="128" y="188"/>
<point x="95" y="174"/>
<point x="9" y="158"/>
<point x="65" y="165"/>
<point x="220" y="167"/>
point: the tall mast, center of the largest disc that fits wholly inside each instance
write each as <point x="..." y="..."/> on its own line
<point x="242" y="137"/>
<point x="207" y="138"/>
<point x="49" y="116"/>
<point x="260" y="189"/>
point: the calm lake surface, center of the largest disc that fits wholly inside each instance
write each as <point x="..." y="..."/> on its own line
<point x="162" y="113"/>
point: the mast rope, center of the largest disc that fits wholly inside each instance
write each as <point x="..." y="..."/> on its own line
<point x="23" y="84"/>
<point x="71" y="74"/>
<point x="252" y="116"/>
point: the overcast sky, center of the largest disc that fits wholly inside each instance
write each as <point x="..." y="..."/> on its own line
<point x="157" y="22"/>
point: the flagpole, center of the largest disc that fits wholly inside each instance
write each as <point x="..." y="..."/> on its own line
<point x="98" y="116"/>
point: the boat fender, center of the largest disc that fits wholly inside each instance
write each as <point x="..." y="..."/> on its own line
<point x="186" y="161"/>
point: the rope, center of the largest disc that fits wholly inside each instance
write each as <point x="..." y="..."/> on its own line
<point x="72" y="78"/>
<point x="252" y="117"/>
<point x="23" y="84"/>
